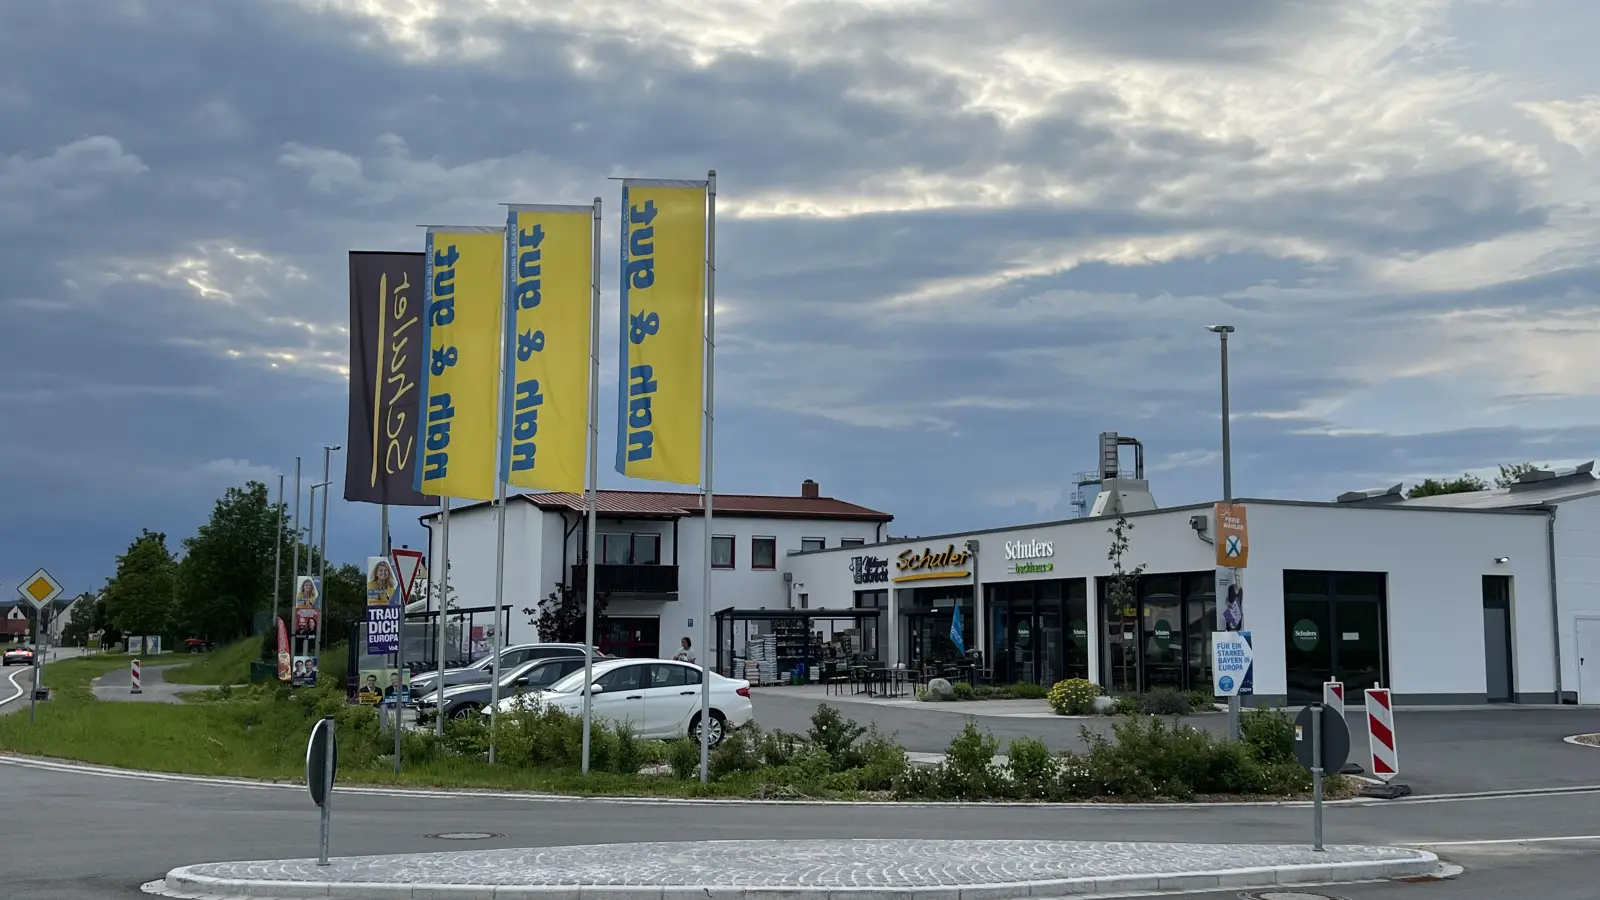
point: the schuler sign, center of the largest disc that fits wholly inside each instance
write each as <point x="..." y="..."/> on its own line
<point x="1022" y="555"/>
<point x="932" y="564"/>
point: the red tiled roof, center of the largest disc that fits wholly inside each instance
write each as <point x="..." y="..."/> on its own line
<point x="668" y="503"/>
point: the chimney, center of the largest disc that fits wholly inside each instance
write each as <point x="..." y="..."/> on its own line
<point x="810" y="489"/>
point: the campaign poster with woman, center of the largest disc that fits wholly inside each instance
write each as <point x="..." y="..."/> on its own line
<point x="381" y="582"/>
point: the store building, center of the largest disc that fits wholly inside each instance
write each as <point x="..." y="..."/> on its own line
<point x="650" y="565"/>
<point x="1458" y="599"/>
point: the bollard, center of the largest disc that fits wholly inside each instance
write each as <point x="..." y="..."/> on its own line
<point x="135" y="689"/>
<point x="1381" y="740"/>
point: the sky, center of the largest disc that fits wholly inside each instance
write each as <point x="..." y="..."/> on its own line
<point x="957" y="239"/>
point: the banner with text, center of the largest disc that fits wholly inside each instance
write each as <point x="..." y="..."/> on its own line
<point x="384" y="613"/>
<point x="545" y="399"/>
<point x="661" y="382"/>
<point x="385" y="368"/>
<point x="461" y="377"/>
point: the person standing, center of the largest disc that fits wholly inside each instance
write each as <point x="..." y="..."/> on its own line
<point x="685" y="652"/>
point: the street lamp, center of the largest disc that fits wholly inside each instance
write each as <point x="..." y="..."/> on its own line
<point x="322" y="550"/>
<point x="1222" y="332"/>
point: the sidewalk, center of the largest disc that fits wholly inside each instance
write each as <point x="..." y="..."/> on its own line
<point x="1005" y="709"/>
<point x="118" y="684"/>
<point x="802" y="870"/>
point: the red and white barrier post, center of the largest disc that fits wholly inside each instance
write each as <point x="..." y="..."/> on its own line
<point x="135" y="682"/>
<point x="1385" y="749"/>
<point x="1333" y="702"/>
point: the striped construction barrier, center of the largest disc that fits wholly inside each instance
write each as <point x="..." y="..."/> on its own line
<point x="1333" y="701"/>
<point x="135" y="689"/>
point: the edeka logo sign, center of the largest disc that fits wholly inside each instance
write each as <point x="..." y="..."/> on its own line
<point x="932" y="563"/>
<point x="869" y="569"/>
<point x="1030" y="550"/>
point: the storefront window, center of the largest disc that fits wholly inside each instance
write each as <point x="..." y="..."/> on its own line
<point x="927" y="614"/>
<point x="1038" y="630"/>
<point x="1162" y="639"/>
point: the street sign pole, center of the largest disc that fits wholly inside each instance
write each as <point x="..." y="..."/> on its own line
<point x="1316" y="777"/>
<point x="322" y="761"/>
<point x="327" y="800"/>
<point x="33" y="705"/>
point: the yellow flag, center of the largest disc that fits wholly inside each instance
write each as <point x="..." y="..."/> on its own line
<point x="461" y="375"/>
<point x="661" y="385"/>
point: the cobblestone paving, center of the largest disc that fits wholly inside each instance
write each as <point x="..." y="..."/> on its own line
<point x="881" y="865"/>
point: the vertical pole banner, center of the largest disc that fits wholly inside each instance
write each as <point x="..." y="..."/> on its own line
<point x="384" y="613"/>
<point x="460" y="376"/>
<point x="661" y="380"/>
<point x="546" y="395"/>
<point x="386" y="352"/>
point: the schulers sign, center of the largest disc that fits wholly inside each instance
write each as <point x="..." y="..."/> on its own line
<point x="1025" y="556"/>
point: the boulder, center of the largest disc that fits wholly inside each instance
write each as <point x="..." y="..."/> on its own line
<point x="1103" y="705"/>
<point x="940" y="689"/>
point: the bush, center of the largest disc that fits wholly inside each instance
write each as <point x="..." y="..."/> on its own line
<point x="1027" y="691"/>
<point x="739" y="752"/>
<point x="683" y="755"/>
<point x="1166" y="702"/>
<point x="1201" y="701"/>
<point x="835" y="735"/>
<point x="779" y="748"/>
<point x="883" y="762"/>
<point x="1073" y="697"/>
<point x="963" y="691"/>
<point x="1128" y="705"/>
<point x="1032" y="768"/>
<point x="1269" y="733"/>
<point x="968" y="771"/>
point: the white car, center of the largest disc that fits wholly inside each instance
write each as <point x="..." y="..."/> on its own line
<point x="660" y="698"/>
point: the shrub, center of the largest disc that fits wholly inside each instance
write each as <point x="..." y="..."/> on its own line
<point x="683" y="755"/>
<point x="739" y="752"/>
<point x="1166" y="702"/>
<point x="630" y="751"/>
<point x="1073" y="697"/>
<point x="883" y="762"/>
<point x="835" y="735"/>
<point x="1201" y="701"/>
<point x="1269" y="733"/>
<point x="1028" y="691"/>
<point x="968" y="771"/>
<point x="1128" y="705"/>
<point x="1032" y="768"/>
<point x="963" y="691"/>
<point x="779" y="748"/>
<point x="979" y="691"/>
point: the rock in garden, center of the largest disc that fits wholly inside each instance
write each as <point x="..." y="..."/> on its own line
<point x="1104" y="705"/>
<point x="940" y="689"/>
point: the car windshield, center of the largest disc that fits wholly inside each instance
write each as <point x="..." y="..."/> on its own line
<point x="571" y="683"/>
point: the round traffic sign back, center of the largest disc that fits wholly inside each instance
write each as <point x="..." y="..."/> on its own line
<point x="1335" y="739"/>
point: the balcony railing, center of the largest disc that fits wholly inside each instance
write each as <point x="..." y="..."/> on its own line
<point x="627" y="579"/>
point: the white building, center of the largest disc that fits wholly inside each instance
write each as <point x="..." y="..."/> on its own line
<point x="651" y="561"/>
<point x="1492" y="596"/>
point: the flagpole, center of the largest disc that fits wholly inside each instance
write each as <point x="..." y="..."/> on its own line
<point x="500" y="502"/>
<point x="594" y="480"/>
<point x="277" y="571"/>
<point x="444" y="596"/>
<point x="711" y="418"/>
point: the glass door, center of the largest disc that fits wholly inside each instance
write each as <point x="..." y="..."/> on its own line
<point x="1308" y="651"/>
<point x="1162" y="632"/>
<point x="1360" y="644"/>
<point x="1119" y="649"/>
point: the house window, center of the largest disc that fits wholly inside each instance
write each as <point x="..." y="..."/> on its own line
<point x="764" y="553"/>
<point x="813" y="543"/>
<point x="630" y="549"/>
<point x="853" y="542"/>
<point x="722" y="551"/>
<point x="805" y="601"/>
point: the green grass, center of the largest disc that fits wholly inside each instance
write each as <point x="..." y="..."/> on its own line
<point x="225" y="665"/>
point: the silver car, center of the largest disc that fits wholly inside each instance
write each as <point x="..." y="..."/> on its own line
<point x="482" y="671"/>
<point x="462" y="700"/>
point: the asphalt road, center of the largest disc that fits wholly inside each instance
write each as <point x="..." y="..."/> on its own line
<point x="1496" y="748"/>
<point x="93" y="837"/>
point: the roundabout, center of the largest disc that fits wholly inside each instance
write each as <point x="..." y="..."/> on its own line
<point x="804" y="870"/>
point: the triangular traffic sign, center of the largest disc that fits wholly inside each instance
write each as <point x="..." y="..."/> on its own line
<point x="407" y="563"/>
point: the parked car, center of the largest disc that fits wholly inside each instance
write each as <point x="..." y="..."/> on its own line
<point x="19" y="656"/>
<point x="660" y="698"/>
<point x="462" y="700"/>
<point x="482" y="671"/>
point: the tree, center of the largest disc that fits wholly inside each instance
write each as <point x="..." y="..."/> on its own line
<point x="141" y="596"/>
<point x="1508" y="474"/>
<point x="1433" y="487"/>
<point x="344" y="601"/>
<point x="560" y="616"/>
<point x="1123" y="588"/>
<point x="226" y="573"/>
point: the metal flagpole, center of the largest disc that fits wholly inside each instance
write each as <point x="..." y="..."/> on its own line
<point x="594" y="478"/>
<point x="322" y="568"/>
<point x="383" y="551"/>
<point x="499" y="616"/>
<point x="277" y="567"/>
<point x="444" y="595"/>
<point x="711" y="418"/>
<point x="296" y="565"/>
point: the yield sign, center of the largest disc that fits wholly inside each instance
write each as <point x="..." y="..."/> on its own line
<point x="406" y="565"/>
<point x="39" y="589"/>
<point x="1233" y="548"/>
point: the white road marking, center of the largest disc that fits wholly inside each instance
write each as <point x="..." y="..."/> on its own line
<point x="1531" y="840"/>
<point x="20" y="690"/>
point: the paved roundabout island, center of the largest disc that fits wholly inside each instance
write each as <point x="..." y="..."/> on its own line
<point x="797" y="870"/>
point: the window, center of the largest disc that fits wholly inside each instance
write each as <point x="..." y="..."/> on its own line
<point x="626" y="678"/>
<point x="853" y="542"/>
<point x="630" y="549"/>
<point x="764" y="553"/>
<point x="805" y="601"/>
<point x="813" y="543"/>
<point x="666" y="675"/>
<point x="721" y="551"/>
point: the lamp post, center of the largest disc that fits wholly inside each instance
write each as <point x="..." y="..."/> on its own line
<point x="1222" y="332"/>
<point x="322" y="551"/>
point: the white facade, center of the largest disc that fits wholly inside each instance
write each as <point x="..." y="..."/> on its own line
<point x="1432" y="562"/>
<point x="543" y="545"/>
<point x="1577" y="552"/>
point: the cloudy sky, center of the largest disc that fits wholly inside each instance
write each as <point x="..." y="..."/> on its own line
<point x="958" y="238"/>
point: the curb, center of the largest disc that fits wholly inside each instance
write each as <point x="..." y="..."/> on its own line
<point x="180" y="884"/>
<point x="1573" y="740"/>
